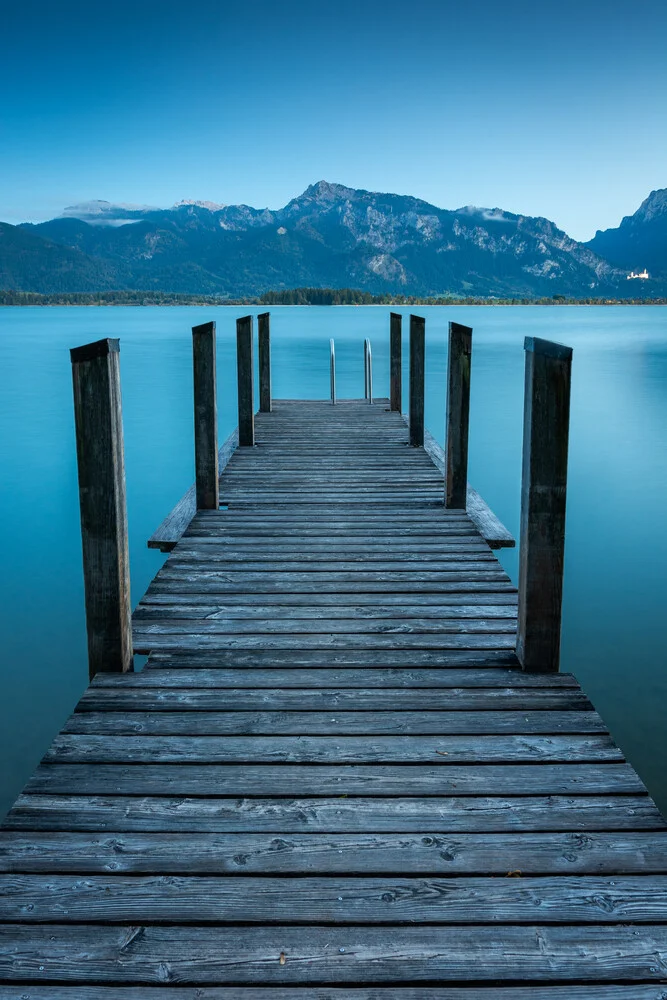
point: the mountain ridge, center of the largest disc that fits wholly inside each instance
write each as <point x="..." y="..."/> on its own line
<point x="640" y="241"/>
<point x="330" y="235"/>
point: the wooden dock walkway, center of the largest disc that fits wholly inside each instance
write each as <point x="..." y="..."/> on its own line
<point x="332" y="780"/>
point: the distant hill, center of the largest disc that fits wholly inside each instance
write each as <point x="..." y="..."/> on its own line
<point x="641" y="239"/>
<point x="31" y="263"/>
<point x="330" y="236"/>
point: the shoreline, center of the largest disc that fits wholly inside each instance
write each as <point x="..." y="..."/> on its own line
<point x="340" y="305"/>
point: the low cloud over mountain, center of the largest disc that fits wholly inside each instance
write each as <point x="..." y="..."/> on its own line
<point x="331" y="235"/>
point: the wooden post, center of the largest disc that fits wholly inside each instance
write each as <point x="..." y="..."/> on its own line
<point x="206" y="416"/>
<point x="395" y="360"/>
<point x="244" y="369"/>
<point x="417" y="351"/>
<point x="458" y="409"/>
<point x="264" y="341"/>
<point x="543" y="494"/>
<point x="101" y="462"/>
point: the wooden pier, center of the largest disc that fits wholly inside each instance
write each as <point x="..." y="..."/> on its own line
<point x="335" y="779"/>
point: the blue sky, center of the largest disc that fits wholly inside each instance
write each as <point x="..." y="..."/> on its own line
<point x="546" y="108"/>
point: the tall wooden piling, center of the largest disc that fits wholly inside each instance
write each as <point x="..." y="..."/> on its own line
<point x="264" y="344"/>
<point x="206" y="416"/>
<point x="417" y="358"/>
<point x="457" y="419"/>
<point x="101" y="464"/>
<point x="543" y="498"/>
<point x="395" y="361"/>
<point x="246" y="389"/>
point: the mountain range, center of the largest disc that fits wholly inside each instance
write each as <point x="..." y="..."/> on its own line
<point x="331" y="236"/>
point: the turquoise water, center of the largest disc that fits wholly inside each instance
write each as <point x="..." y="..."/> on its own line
<point x="616" y="555"/>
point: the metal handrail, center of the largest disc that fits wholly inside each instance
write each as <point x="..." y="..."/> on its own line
<point x="368" y="371"/>
<point x="332" y="370"/>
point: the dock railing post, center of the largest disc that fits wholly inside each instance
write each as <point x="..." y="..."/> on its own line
<point x="206" y="416"/>
<point x="417" y="357"/>
<point x="458" y="410"/>
<point x="543" y="497"/>
<point x="368" y="371"/>
<point x="101" y="465"/>
<point x="244" y="368"/>
<point x="264" y="343"/>
<point x="395" y="361"/>
<point x="332" y="370"/>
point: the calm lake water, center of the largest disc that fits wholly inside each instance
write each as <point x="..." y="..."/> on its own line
<point x="616" y="554"/>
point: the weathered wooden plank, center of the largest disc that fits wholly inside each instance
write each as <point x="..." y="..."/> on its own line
<point x="153" y="954"/>
<point x="482" y="814"/>
<point x="362" y="605"/>
<point x="376" y="496"/>
<point x="379" y="780"/>
<point x="638" y="991"/>
<point x="174" y="777"/>
<point x="341" y="546"/>
<point x="636" y="852"/>
<point x="103" y="506"/>
<point x="220" y="625"/>
<point x="209" y="556"/>
<point x="300" y="722"/>
<point x="146" y="640"/>
<point x="201" y="900"/>
<point x="310" y="531"/>
<point x="166" y="670"/>
<point x="179" y="519"/>
<point x="444" y="659"/>
<point x="263" y="583"/>
<point x="326" y="749"/>
<point x="456" y="701"/>
<point x="543" y="494"/>
<point x="456" y="568"/>
<point x="183" y="609"/>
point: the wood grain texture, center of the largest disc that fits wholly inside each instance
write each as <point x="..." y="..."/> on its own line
<point x="459" y="360"/>
<point x="103" y="506"/>
<point x="326" y="749"/>
<point x="245" y="381"/>
<point x="635" y="852"/>
<point x="264" y="354"/>
<point x="355" y="722"/>
<point x="259" y="780"/>
<point x="588" y="991"/>
<point x="546" y="425"/>
<point x="417" y="372"/>
<point x="93" y="992"/>
<point x="206" y="416"/>
<point x="251" y="899"/>
<point x="332" y="780"/>
<point x="395" y="361"/>
<point x="154" y="954"/>
<point x="481" y="814"/>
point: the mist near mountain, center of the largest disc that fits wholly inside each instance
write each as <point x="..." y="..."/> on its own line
<point x="329" y="236"/>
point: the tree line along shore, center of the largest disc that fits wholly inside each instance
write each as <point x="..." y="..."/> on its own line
<point x="300" y="297"/>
